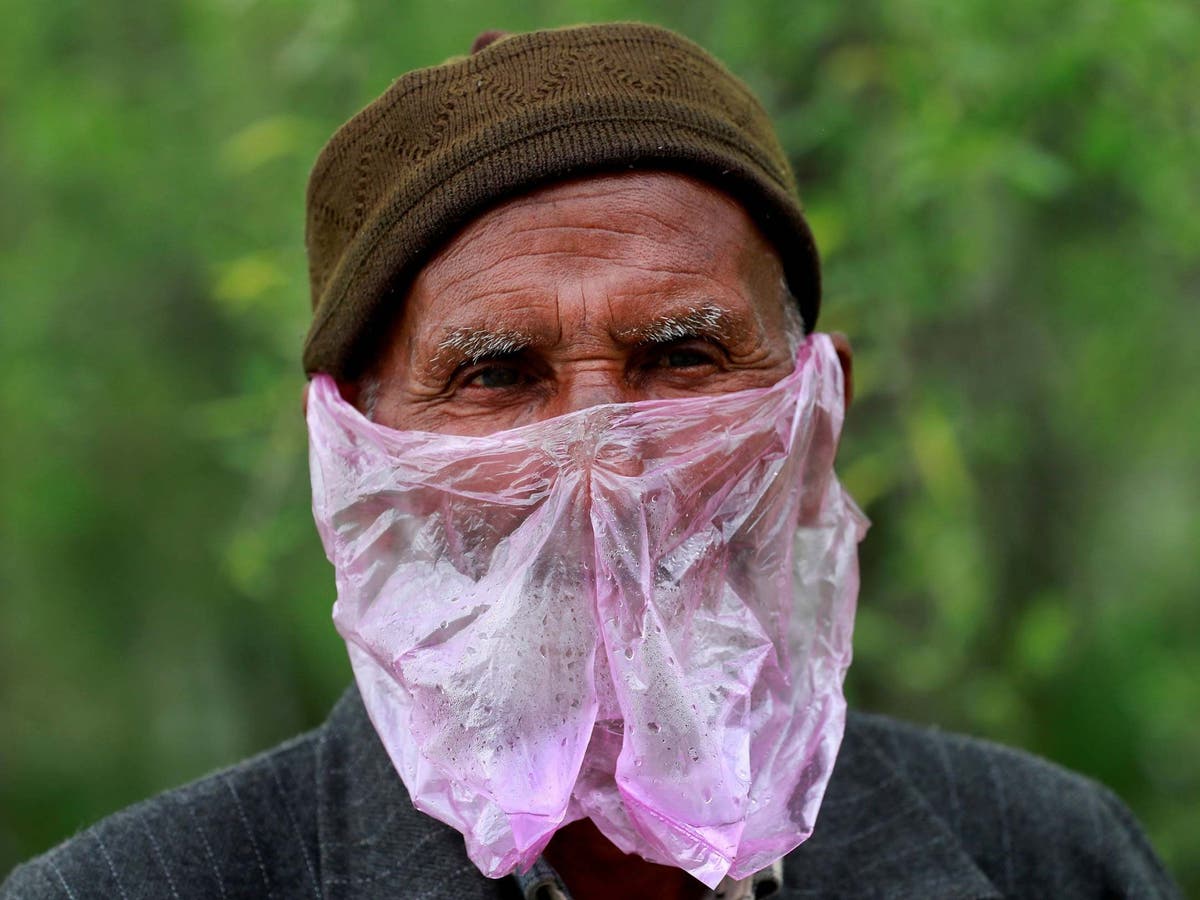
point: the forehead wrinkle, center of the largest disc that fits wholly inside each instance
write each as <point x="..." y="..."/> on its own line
<point x="587" y="229"/>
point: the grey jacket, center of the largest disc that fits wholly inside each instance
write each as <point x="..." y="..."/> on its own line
<point x="909" y="813"/>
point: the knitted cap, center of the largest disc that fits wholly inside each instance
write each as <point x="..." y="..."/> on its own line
<point x="443" y="144"/>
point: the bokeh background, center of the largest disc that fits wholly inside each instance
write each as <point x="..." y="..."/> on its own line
<point x="1006" y="196"/>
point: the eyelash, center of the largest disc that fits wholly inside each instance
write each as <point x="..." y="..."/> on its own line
<point x="483" y="367"/>
<point x="687" y="350"/>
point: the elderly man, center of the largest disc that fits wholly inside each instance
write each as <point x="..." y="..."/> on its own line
<point x="572" y="438"/>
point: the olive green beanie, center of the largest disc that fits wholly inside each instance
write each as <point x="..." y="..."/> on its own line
<point x="443" y="144"/>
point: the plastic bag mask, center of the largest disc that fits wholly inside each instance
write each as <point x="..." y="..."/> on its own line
<point x="639" y="613"/>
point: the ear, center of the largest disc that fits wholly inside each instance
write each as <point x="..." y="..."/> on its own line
<point x="846" y="357"/>
<point x="348" y="390"/>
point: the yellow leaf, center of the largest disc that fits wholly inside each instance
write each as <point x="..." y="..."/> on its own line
<point x="243" y="281"/>
<point x="260" y="142"/>
<point x="938" y="456"/>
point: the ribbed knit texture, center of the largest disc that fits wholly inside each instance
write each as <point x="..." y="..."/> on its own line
<point x="443" y="144"/>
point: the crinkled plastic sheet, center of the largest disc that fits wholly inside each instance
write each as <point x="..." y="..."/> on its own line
<point x="639" y="613"/>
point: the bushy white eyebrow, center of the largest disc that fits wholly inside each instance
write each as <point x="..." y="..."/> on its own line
<point x="473" y="344"/>
<point x="705" y="321"/>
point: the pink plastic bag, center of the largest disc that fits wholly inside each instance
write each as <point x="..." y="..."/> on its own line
<point x="639" y="613"/>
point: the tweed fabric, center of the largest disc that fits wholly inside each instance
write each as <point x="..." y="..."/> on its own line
<point x="909" y="813"/>
<point x="445" y="143"/>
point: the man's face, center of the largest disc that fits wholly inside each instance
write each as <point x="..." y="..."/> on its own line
<point x="610" y="289"/>
<point x="540" y="615"/>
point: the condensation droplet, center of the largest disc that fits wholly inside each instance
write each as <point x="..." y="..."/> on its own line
<point x="638" y="761"/>
<point x="653" y="726"/>
<point x="707" y="795"/>
<point x="629" y="652"/>
<point x="693" y="754"/>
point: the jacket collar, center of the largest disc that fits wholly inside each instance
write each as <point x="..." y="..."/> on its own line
<point x="875" y="830"/>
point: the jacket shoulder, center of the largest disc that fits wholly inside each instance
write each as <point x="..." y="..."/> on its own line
<point x="246" y="831"/>
<point x="1028" y="823"/>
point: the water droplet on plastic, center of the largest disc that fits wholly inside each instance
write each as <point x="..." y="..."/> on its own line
<point x="637" y="761"/>
<point x="653" y="726"/>
<point x="693" y="754"/>
<point x="542" y="650"/>
<point x="629" y="652"/>
<point x="707" y="795"/>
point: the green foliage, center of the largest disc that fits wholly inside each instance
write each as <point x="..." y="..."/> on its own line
<point x="1005" y="197"/>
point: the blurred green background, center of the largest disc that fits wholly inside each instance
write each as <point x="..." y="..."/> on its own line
<point x="1005" y="192"/>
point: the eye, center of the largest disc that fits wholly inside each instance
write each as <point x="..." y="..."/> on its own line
<point x="500" y="373"/>
<point x="494" y="376"/>
<point x="684" y="356"/>
<point x="682" y="359"/>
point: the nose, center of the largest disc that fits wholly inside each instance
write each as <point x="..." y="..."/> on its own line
<point x="583" y="389"/>
<point x="595" y="441"/>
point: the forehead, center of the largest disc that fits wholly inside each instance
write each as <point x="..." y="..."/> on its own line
<point x="612" y="252"/>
